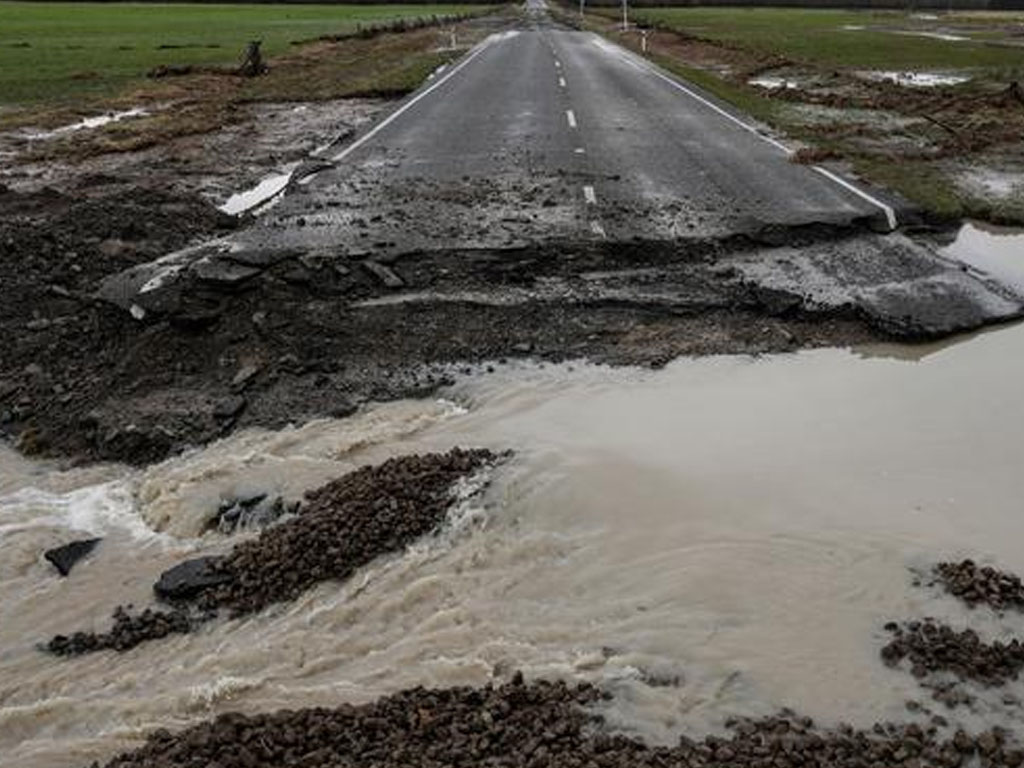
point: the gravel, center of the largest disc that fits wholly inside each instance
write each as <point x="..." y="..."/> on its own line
<point x="536" y="724"/>
<point x="343" y="526"/>
<point x="981" y="586"/>
<point x="934" y="647"/>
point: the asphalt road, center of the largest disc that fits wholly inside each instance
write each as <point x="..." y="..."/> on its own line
<point x="543" y="135"/>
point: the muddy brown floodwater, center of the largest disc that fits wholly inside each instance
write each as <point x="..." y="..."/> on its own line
<point x="724" y="536"/>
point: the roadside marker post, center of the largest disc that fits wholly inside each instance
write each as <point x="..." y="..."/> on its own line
<point x="625" y="15"/>
<point x="643" y="41"/>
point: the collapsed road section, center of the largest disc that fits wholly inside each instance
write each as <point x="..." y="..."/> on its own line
<point x="547" y="196"/>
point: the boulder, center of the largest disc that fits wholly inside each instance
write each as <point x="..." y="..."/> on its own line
<point x="188" y="579"/>
<point x="64" y="557"/>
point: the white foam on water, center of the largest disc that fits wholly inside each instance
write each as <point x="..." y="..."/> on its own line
<point x="181" y="495"/>
<point x="95" y="510"/>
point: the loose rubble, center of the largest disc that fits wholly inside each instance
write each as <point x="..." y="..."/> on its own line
<point x="343" y="526"/>
<point x="981" y="585"/>
<point x="127" y="632"/>
<point x="538" y="723"/>
<point x="934" y="647"/>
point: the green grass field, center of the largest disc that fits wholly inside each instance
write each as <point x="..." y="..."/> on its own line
<point x="63" y="51"/>
<point x="819" y="37"/>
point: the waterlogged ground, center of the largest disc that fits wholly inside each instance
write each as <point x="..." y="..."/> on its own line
<point x="724" y="536"/>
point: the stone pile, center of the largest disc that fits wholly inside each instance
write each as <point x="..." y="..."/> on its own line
<point x="537" y="724"/>
<point x="981" y="586"/>
<point x="127" y="632"/>
<point x="933" y="647"/>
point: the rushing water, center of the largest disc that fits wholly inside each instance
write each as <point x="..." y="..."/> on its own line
<point x="726" y="535"/>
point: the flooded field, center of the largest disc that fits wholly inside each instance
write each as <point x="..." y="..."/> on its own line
<point x="724" y="536"/>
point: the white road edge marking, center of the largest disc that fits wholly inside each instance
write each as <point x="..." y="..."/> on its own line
<point x="558" y="64"/>
<point x="571" y="118"/>
<point x="597" y="229"/>
<point x="580" y="151"/>
<point x="888" y="210"/>
<point x="890" y="213"/>
<point x="589" y="195"/>
<point x="561" y="81"/>
<point x="404" y="108"/>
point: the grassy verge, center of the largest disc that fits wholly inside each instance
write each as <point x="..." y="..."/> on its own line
<point x="845" y="39"/>
<point x="64" y="52"/>
<point x="388" y="64"/>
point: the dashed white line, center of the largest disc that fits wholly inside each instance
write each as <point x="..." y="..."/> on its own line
<point x="580" y="151"/>
<point x="561" y="81"/>
<point x="558" y="64"/>
<point x="589" y="195"/>
<point x="571" y="118"/>
<point x="597" y="229"/>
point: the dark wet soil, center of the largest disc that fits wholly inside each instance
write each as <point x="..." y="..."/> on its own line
<point x="342" y="526"/>
<point x="537" y="724"/>
<point x="295" y="340"/>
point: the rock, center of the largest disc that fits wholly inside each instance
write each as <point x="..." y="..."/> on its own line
<point x="186" y="580"/>
<point x="65" y="556"/>
<point x="229" y="407"/>
<point x="224" y="274"/>
<point x="244" y="375"/>
<point x="250" y="512"/>
<point x="386" y="275"/>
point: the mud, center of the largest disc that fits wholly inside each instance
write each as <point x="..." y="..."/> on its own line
<point x="538" y="724"/>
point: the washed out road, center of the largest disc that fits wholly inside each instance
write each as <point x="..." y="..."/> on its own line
<point x="544" y="137"/>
